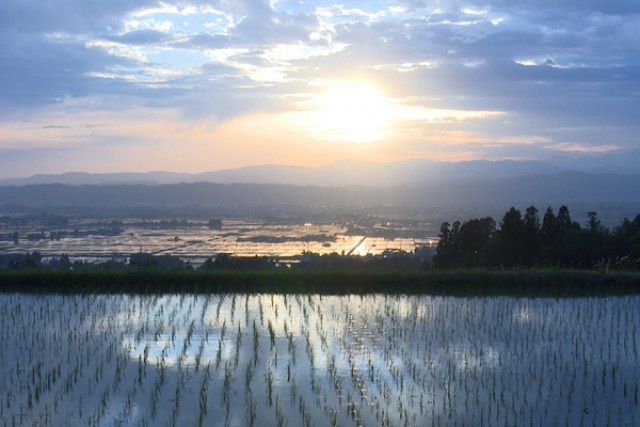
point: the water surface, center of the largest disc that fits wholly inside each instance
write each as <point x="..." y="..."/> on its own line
<point x="317" y="360"/>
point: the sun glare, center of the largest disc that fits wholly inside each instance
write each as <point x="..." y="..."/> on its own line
<point x="353" y="111"/>
<point x="356" y="111"/>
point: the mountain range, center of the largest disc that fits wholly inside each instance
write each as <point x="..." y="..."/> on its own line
<point x="608" y="179"/>
<point x="540" y="189"/>
<point x="352" y="172"/>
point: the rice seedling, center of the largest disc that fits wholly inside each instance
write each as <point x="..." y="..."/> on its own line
<point x="374" y="359"/>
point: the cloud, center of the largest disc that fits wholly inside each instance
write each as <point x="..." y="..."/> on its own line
<point x="144" y="37"/>
<point x="580" y="148"/>
<point x="66" y="16"/>
<point x="40" y="70"/>
<point x="567" y="73"/>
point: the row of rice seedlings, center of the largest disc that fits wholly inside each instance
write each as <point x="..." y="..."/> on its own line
<point x="59" y="364"/>
<point x="502" y="347"/>
<point x="391" y="360"/>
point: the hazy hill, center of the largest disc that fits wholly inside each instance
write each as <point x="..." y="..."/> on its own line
<point x="619" y="163"/>
<point x="566" y="187"/>
<point x="341" y="173"/>
<point x="352" y="172"/>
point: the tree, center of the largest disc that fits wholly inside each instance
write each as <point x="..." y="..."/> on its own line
<point x="61" y="263"/>
<point x="474" y="236"/>
<point x="564" y="220"/>
<point x="512" y="225"/>
<point x="509" y="249"/>
<point x="33" y="260"/>
<point x="531" y="220"/>
<point x="461" y="244"/>
<point x="531" y="233"/>
<point x="445" y="251"/>
<point x="593" y="223"/>
<point x="549" y="229"/>
<point x="522" y="241"/>
<point x="626" y="239"/>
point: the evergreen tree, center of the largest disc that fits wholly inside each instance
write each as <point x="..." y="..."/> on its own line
<point x="531" y="234"/>
<point x="549" y="228"/>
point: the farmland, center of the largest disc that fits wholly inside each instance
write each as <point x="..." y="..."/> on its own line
<point x="95" y="241"/>
<point x="311" y="359"/>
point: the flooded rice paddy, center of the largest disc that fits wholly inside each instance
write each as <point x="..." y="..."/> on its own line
<point x="196" y="243"/>
<point x="242" y="360"/>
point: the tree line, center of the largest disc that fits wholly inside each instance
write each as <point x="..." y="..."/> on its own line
<point x="554" y="240"/>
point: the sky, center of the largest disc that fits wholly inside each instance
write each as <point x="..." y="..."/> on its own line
<point x="193" y="86"/>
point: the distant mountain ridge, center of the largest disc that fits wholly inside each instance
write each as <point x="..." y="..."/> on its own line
<point x="541" y="189"/>
<point x="337" y="174"/>
<point x="353" y="172"/>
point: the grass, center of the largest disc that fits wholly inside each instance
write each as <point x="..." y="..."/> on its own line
<point x="330" y="282"/>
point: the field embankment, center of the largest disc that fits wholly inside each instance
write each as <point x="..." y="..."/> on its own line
<point x="525" y="283"/>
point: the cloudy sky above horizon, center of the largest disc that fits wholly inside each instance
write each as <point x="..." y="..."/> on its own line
<point x="190" y="86"/>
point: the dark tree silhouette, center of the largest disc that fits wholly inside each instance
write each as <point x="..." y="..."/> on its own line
<point x="564" y="220"/>
<point x="523" y="242"/>
<point x="508" y="247"/>
<point x="593" y="223"/>
<point x="445" y="251"/>
<point x="531" y="233"/>
<point x="461" y="244"/>
<point x="626" y="240"/>
<point x="549" y="230"/>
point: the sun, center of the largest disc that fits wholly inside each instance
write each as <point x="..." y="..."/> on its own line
<point x="351" y="111"/>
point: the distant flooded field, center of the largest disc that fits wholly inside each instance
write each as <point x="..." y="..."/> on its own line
<point x="242" y="360"/>
<point x="92" y="242"/>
